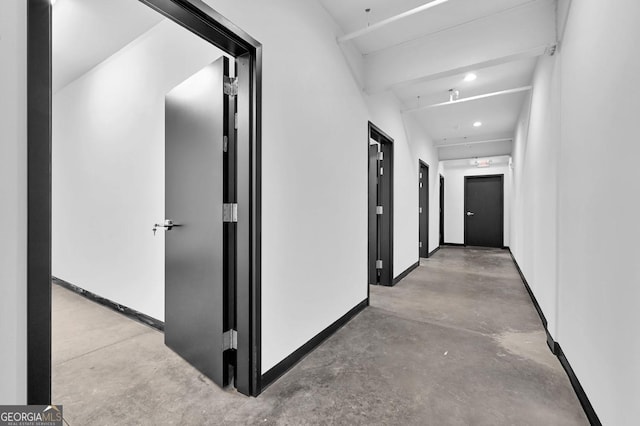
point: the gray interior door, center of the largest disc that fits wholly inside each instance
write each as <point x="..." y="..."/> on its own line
<point x="484" y="210"/>
<point x="195" y="305"/>
<point x="373" y="217"/>
<point x="423" y="210"/>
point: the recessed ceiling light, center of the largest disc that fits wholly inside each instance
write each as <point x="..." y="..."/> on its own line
<point x="477" y="124"/>
<point x="470" y="77"/>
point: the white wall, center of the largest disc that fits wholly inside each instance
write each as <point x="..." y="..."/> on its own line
<point x="314" y="176"/>
<point x="315" y="172"/>
<point x="535" y="182"/>
<point x="454" y="174"/>
<point x="13" y="214"/>
<point x="411" y="143"/>
<point x="598" y="228"/>
<point x="108" y="167"/>
<point x="575" y="225"/>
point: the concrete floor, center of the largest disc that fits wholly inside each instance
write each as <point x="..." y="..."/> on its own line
<point x="457" y="342"/>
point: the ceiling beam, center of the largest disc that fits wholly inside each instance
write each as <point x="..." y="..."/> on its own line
<point x="471" y="98"/>
<point x="445" y="145"/>
<point x="506" y="37"/>
<point x="529" y="53"/>
<point x="385" y="22"/>
<point x="490" y="15"/>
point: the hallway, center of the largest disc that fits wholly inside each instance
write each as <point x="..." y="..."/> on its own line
<point x="457" y="342"/>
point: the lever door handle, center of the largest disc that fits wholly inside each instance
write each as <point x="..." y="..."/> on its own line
<point x="470" y="213"/>
<point x="168" y="225"/>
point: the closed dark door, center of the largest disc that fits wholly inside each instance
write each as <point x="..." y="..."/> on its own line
<point x="441" y="210"/>
<point x="423" y="210"/>
<point x="373" y="223"/>
<point x="484" y="210"/>
<point x="195" y="306"/>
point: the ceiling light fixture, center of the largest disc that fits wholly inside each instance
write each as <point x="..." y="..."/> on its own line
<point x="477" y="124"/>
<point x="470" y="77"/>
<point x="53" y="2"/>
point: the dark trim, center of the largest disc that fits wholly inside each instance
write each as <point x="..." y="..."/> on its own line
<point x="441" y="195"/>
<point x="531" y="295"/>
<point x="577" y="387"/>
<point x="39" y="202"/>
<point x="466" y="180"/>
<point x="452" y="245"/>
<point x="197" y="17"/>
<point x="555" y="348"/>
<point x="434" y="251"/>
<point x="406" y="272"/>
<point x="420" y="224"/>
<point x="385" y="230"/>
<point x="286" y="364"/>
<point x="121" y="309"/>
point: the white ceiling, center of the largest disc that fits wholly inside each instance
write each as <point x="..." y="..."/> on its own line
<point x="86" y="32"/>
<point x="430" y="52"/>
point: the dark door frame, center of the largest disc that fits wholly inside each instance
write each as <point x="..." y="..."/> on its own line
<point x="197" y="17"/>
<point x="420" y="223"/>
<point x="466" y="180"/>
<point x="385" y="234"/>
<point x="441" y="224"/>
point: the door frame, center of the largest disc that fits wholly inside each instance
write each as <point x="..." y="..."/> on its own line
<point x="386" y="236"/>
<point x="441" y="202"/>
<point x="420" y="165"/>
<point x="197" y="17"/>
<point x="464" y="213"/>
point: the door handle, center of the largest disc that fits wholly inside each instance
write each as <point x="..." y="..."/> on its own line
<point x="470" y="213"/>
<point x="168" y="225"/>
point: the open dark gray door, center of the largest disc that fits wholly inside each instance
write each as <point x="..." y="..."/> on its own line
<point x="373" y="217"/>
<point x="196" y="308"/>
<point x="423" y="210"/>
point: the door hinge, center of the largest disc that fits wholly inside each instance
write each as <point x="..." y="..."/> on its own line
<point x="225" y="143"/>
<point x="379" y="210"/>
<point x="420" y="184"/>
<point x="230" y="212"/>
<point x="380" y="156"/>
<point x="378" y="264"/>
<point x="420" y="244"/>
<point x="420" y="175"/>
<point x="230" y="86"/>
<point x="381" y="171"/>
<point x="235" y="121"/>
<point x="420" y="210"/>
<point x="230" y="339"/>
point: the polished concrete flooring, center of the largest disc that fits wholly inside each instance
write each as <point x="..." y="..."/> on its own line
<point x="457" y="342"/>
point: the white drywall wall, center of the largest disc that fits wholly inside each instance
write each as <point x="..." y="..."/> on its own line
<point x="108" y="167"/>
<point x="534" y="182"/>
<point x="454" y="174"/>
<point x="314" y="175"/>
<point x="13" y="214"/>
<point x="598" y="204"/>
<point x="575" y="226"/>
<point x="411" y="143"/>
<point x="315" y="172"/>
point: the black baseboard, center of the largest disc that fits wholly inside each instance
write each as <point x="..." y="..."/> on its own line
<point x="531" y="295"/>
<point x="131" y="313"/>
<point x="406" y="272"/>
<point x="577" y="387"/>
<point x="555" y="348"/>
<point x="283" y="366"/>
<point x="434" y="251"/>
